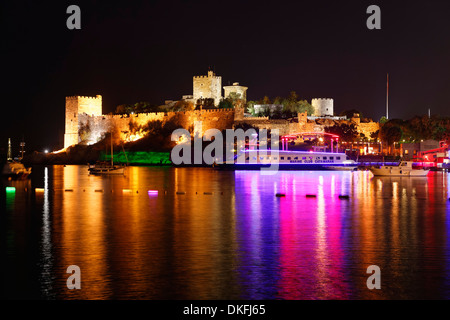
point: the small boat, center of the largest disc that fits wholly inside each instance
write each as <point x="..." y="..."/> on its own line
<point x="404" y="169"/>
<point x="289" y="160"/>
<point x="106" y="168"/>
<point x="14" y="169"/>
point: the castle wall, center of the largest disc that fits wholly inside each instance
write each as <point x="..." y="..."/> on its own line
<point x="86" y="124"/>
<point x="368" y="128"/>
<point x="131" y="127"/>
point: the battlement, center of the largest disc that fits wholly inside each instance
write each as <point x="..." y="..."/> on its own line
<point x="322" y="99"/>
<point x="97" y="97"/>
<point x="207" y="77"/>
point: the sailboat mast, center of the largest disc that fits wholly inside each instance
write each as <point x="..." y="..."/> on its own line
<point x="112" y="155"/>
<point x="387" y="97"/>
<point x="9" y="156"/>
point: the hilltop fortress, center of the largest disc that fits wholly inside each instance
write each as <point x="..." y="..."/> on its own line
<point x="85" y="122"/>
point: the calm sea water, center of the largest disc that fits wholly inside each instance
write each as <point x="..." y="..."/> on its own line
<point x="211" y="234"/>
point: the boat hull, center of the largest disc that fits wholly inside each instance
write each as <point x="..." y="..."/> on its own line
<point x="107" y="171"/>
<point x="398" y="173"/>
<point x="287" y="166"/>
<point x="16" y="171"/>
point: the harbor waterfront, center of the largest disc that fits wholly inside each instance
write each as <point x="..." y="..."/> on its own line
<point x="201" y="233"/>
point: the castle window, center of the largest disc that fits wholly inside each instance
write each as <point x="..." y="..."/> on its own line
<point x="282" y="158"/>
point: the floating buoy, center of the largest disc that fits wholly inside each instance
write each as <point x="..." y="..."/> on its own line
<point x="344" y="197"/>
<point x="310" y="195"/>
<point x="280" y="195"/>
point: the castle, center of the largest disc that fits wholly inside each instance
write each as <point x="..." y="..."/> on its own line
<point x="75" y="107"/>
<point x="85" y="122"/>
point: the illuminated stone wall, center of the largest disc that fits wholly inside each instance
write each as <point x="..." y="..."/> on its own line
<point x="86" y="124"/>
<point x="132" y="127"/>
<point x="75" y="106"/>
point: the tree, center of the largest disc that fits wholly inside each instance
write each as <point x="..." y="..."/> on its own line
<point x="266" y="100"/>
<point x="226" y="103"/>
<point x="375" y="135"/>
<point x="304" y="106"/>
<point x="183" y="105"/>
<point x="391" y="134"/>
<point x="383" y="120"/>
<point x="251" y="107"/>
<point x="293" y="97"/>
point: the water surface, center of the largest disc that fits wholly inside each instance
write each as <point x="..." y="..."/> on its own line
<point x="210" y="234"/>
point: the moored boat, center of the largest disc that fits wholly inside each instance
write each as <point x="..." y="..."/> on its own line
<point x="404" y="169"/>
<point x="14" y="169"/>
<point x="289" y="160"/>
<point x="106" y="168"/>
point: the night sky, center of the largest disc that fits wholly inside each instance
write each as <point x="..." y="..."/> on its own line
<point x="149" y="51"/>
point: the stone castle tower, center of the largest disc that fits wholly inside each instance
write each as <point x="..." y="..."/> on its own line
<point x="322" y="107"/>
<point x="76" y="105"/>
<point x="208" y="87"/>
<point x="237" y="89"/>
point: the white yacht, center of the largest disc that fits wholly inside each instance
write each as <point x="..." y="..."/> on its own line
<point x="289" y="160"/>
<point x="404" y="169"/>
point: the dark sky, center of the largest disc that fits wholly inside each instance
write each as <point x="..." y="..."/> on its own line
<point x="135" y="51"/>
